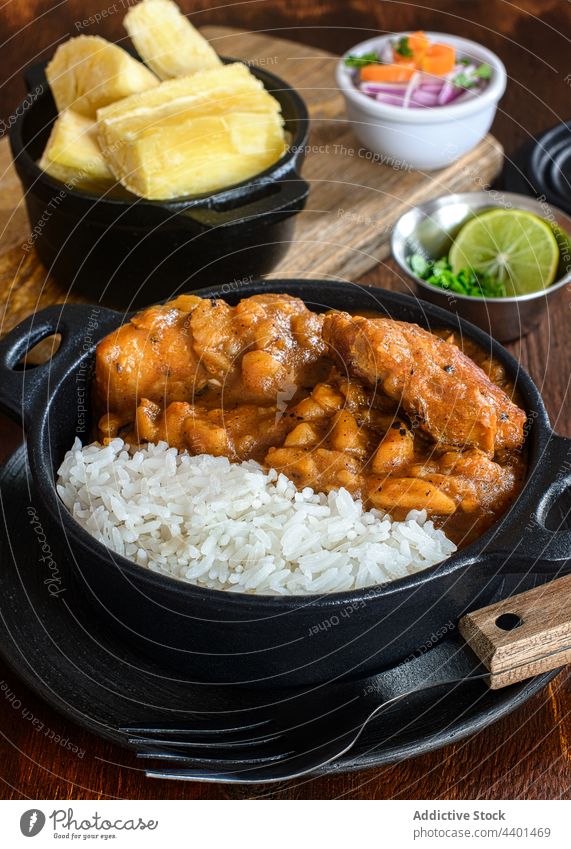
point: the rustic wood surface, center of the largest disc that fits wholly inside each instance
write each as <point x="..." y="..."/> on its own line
<point x="526" y="755"/>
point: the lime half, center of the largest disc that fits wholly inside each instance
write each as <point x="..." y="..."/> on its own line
<point x="514" y="246"/>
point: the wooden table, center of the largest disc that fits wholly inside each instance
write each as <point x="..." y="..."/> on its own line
<point x="526" y="755"/>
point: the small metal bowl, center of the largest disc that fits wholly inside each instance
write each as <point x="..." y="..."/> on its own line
<point x="429" y="229"/>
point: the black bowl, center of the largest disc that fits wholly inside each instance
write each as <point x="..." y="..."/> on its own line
<point x="263" y="640"/>
<point x="131" y="252"/>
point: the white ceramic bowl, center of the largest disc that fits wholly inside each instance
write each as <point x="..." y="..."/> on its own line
<point x="422" y="138"/>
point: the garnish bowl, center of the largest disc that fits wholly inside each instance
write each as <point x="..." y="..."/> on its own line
<point x="429" y="229"/>
<point x="422" y="138"/>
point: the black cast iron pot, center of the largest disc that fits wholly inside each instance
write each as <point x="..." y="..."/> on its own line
<point x="131" y="252"/>
<point x="225" y="637"/>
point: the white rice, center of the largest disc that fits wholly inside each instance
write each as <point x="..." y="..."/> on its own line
<point x="231" y="526"/>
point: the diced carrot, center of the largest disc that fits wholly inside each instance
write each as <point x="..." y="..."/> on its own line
<point x="416" y="46"/>
<point x="439" y="59"/>
<point x="418" y="43"/>
<point x="390" y="73"/>
<point x="403" y="60"/>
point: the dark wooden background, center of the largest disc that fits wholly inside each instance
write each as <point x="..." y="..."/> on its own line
<point x="526" y="755"/>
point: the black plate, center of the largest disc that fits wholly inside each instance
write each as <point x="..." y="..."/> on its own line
<point x="64" y="655"/>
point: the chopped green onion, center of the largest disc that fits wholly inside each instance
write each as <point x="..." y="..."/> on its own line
<point x="468" y="281"/>
<point x="473" y="78"/>
<point x="462" y="80"/>
<point x="361" y="61"/>
<point x="483" y="72"/>
<point x="403" y="47"/>
<point x="419" y="264"/>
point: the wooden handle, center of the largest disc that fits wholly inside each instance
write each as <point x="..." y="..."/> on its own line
<point x="524" y="635"/>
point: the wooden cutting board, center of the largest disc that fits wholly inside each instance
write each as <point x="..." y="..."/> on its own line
<point x="353" y="204"/>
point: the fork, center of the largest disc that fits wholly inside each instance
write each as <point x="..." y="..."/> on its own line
<point x="301" y="731"/>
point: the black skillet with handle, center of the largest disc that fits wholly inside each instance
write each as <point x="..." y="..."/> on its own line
<point x="230" y="638"/>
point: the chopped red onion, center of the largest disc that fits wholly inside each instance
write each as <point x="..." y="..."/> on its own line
<point x="447" y="93"/>
<point x="383" y="88"/>
<point x="424" y="98"/>
<point x="390" y="99"/>
<point x="423" y="89"/>
<point x="412" y="83"/>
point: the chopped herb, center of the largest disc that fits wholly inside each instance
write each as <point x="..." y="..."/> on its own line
<point x="467" y="282"/>
<point x="464" y="61"/>
<point x="403" y="47"/>
<point x="419" y="264"/>
<point x="472" y="78"/>
<point x="361" y="61"/>
<point x="462" y="80"/>
<point x="483" y="72"/>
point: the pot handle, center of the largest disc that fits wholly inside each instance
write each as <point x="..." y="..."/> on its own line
<point x="225" y="211"/>
<point x="532" y="532"/>
<point x="80" y="327"/>
<point x="35" y="76"/>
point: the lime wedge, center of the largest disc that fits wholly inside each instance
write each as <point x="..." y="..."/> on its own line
<point x="514" y="246"/>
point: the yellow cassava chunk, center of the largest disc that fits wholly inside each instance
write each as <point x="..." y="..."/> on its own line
<point x="192" y="135"/>
<point x="395" y="449"/>
<point x="412" y="494"/>
<point x="214" y="92"/>
<point x="166" y="40"/>
<point x="89" y="72"/>
<point x="72" y="153"/>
